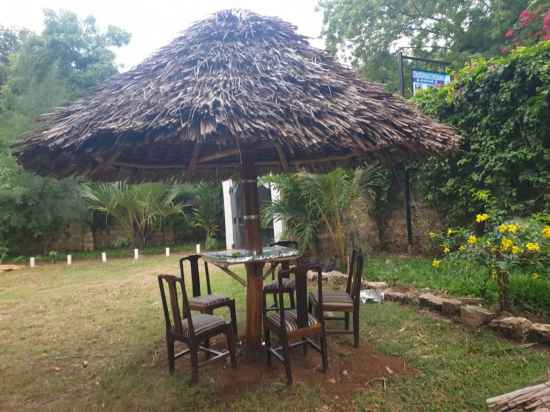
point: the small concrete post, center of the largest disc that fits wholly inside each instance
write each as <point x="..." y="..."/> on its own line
<point x="136" y="254"/>
<point x="32" y="262"/>
<point x="69" y="260"/>
<point x="104" y="257"/>
<point x="167" y="251"/>
<point x="198" y="248"/>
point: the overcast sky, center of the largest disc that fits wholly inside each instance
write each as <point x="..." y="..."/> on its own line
<point x="153" y="23"/>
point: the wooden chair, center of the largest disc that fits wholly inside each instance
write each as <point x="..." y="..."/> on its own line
<point x="288" y="283"/>
<point x="209" y="302"/>
<point x="343" y="301"/>
<point x="295" y="327"/>
<point x="191" y="329"/>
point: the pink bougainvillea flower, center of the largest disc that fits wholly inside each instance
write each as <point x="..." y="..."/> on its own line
<point x="504" y="50"/>
<point x="509" y="33"/>
<point x="546" y="23"/>
<point x="526" y="17"/>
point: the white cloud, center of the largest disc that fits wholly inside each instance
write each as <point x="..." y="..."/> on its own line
<point x="154" y="23"/>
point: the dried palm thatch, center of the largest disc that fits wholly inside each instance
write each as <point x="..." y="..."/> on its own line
<point x="233" y="80"/>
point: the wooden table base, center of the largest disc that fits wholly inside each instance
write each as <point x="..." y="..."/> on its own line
<point x="253" y="340"/>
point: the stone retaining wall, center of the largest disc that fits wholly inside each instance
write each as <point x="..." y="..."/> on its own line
<point x="470" y="312"/>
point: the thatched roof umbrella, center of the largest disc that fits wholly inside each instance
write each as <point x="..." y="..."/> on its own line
<point x="234" y="91"/>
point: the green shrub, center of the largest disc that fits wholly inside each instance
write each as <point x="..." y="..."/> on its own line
<point x="500" y="107"/>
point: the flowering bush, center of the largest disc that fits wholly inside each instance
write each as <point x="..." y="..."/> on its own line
<point x="532" y="25"/>
<point x="500" y="247"/>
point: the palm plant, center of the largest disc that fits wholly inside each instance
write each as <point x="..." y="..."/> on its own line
<point x="300" y="221"/>
<point x="208" y="211"/>
<point x="138" y="208"/>
<point x="311" y="203"/>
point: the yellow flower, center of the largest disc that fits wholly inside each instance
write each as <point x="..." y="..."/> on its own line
<point x="436" y="263"/>
<point x="533" y="247"/>
<point x="546" y="232"/>
<point x="482" y="217"/>
<point x="446" y="249"/>
<point x="506" y="244"/>
<point x="472" y="239"/>
<point x="513" y="228"/>
<point x="535" y="276"/>
<point x="516" y="250"/>
<point x="450" y="232"/>
<point x="462" y="248"/>
<point x="503" y="228"/>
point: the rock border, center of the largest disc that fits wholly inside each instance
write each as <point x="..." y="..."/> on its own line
<point x="470" y="312"/>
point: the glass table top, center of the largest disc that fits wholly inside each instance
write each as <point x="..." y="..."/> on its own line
<point x="237" y="256"/>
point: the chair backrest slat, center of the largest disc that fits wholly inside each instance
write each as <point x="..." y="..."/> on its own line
<point x="195" y="274"/>
<point x="173" y="306"/>
<point x="351" y="269"/>
<point x="358" y="276"/>
<point x="300" y="281"/>
<point x="285" y="265"/>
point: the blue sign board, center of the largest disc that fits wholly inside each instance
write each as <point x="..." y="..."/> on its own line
<point x="422" y="79"/>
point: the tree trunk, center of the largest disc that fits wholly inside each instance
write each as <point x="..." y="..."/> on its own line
<point x="531" y="398"/>
<point x="503" y="281"/>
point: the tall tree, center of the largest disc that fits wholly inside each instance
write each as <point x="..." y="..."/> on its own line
<point x="41" y="71"/>
<point x="370" y="31"/>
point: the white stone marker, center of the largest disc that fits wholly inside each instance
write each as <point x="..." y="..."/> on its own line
<point x="33" y="262"/>
<point x="104" y="257"/>
<point x="198" y="248"/>
<point x="69" y="260"/>
<point x="167" y="251"/>
<point x="136" y="254"/>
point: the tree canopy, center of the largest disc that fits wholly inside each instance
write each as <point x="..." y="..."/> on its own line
<point x="370" y="31"/>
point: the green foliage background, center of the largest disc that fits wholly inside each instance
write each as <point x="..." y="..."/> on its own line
<point x="39" y="72"/>
<point x="501" y="108"/>
<point x="369" y="32"/>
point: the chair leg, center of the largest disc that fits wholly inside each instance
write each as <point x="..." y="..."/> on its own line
<point x="267" y="334"/>
<point x="346" y="320"/>
<point x="291" y="298"/>
<point x="356" y="328"/>
<point x="194" y="364"/>
<point x="230" y="337"/>
<point x="207" y="341"/>
<point x="324" y="355"/>
<point x="275" y="301"/>
<point x="286" y="357"/>
<point x="234" y="319"/>
<point x="171" y="354"/>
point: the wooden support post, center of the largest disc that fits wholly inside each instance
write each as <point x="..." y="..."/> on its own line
<point x="249" y="183"/>
<point x="408" y="212"/>
<point x="253" y="243"/>
<point x="254" y="307"/>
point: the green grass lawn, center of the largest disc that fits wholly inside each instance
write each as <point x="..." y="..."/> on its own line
<point x="90" y="336"/>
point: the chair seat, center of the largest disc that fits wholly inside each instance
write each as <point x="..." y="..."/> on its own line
<point x="200" y="302"/>
<point x="333" y="300"/>
<point x="288" y="284"/>
<point x="291" y="320"/>
<point x="202" y="323"/>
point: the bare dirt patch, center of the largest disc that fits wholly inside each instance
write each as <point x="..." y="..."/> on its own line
<point x="350" y="370"/>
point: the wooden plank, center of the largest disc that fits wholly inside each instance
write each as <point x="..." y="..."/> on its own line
<point x="232" y="274"/>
